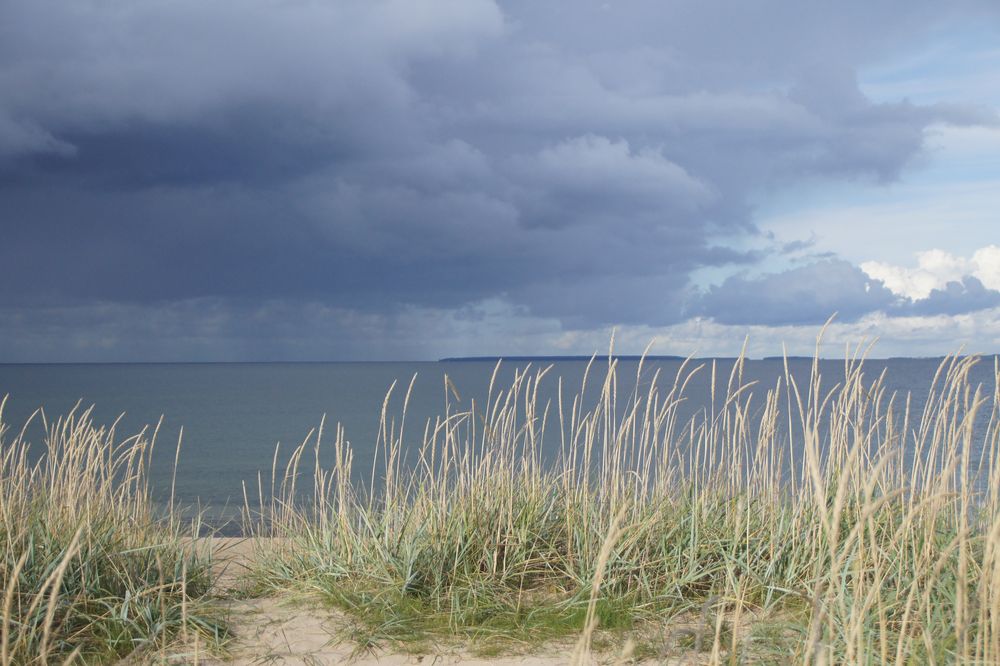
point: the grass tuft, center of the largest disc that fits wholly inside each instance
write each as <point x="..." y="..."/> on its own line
<point x="88" y="572"/>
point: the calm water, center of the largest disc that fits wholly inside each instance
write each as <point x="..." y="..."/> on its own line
<point x="234" y="414"/>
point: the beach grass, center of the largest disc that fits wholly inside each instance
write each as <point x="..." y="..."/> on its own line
<point x="818" y="520"/>
<point x="89" y="573"/>
<point x="827" y="522"/>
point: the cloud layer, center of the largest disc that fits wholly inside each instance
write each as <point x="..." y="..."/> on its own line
<point x="374" y="159"/>
<point x="936" y="269"/>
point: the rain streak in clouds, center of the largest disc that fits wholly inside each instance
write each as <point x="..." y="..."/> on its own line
<point x="379" y="179"/>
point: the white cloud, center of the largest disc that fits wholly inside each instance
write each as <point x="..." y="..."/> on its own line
<point x="987" y="262"/>
<point x="935" y="269"/>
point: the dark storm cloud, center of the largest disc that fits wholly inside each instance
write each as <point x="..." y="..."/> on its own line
<point x="969" y="295"/>
<point x="375" y="156"/>
<point x="810" y="294"/>
<point x="804" y="295"/>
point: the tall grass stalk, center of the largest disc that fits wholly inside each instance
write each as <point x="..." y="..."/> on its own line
<point x="89" y="573"/>
<point x="816" y="522"/>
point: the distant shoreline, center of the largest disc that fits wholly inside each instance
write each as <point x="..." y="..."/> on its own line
<point x="600" y="357"/>
<point x="481" y="359"/>
<point x="521" y="358"/>
<point x="637" y="357"/>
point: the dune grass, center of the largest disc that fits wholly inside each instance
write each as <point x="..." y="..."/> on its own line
<point x="822" y="523"/>
<point x="827" y="522"/>
<point x="88" y="572"/>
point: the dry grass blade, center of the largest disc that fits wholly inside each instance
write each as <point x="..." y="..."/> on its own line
<point x="90" y="570"/>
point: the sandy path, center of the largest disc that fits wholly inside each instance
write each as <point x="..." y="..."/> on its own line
<point x="280" y="631"/>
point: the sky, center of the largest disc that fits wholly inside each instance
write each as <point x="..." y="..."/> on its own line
<point x="197" y="180"/>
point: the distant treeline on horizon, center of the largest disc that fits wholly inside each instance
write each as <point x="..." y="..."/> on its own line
<point x="639" y="357"/>
<point x="596" y="357"/>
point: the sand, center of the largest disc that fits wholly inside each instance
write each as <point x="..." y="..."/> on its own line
<point x="282" y="630"/>
<point x="285" y="629"/>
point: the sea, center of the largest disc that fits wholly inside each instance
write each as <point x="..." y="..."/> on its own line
<point x="233" y="415"/>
